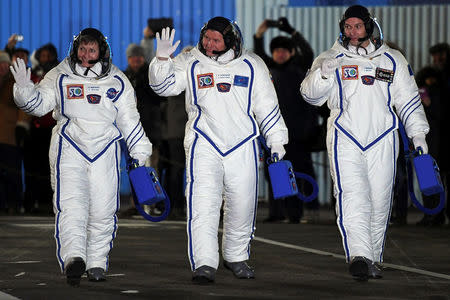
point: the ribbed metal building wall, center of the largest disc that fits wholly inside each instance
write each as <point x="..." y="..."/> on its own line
<point x="122" y="21"/>
<point x="414" y="28"/>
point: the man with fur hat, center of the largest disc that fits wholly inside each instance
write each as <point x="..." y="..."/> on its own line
<point x="230" y="101"/>
<point x="291" y="57"/>
<point x="370" y="89"/>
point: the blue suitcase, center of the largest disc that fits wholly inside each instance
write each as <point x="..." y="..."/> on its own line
<point x="282" y="179"/>
<point x="146" y="185"/>
<point x="427" y="172"/>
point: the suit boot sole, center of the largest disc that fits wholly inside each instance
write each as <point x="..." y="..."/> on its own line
<point x="359" y="270"/>
<point x="74" y="272"/>
<point x="202" y="280"/>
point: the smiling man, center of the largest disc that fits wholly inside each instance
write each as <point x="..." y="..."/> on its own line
<point x="369" y="89"/>
<point x="230" y="101"/>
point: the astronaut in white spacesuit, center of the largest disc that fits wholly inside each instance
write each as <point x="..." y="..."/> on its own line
<point x="363" y="81"/>
<point x="230" y="101"/>
<point x="94" y="106"/>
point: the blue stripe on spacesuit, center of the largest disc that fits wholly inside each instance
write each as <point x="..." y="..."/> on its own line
<point x="194" y="93"/>
<point x="162" y="87"/>
<point x="417" y="105"/>
<point x="341" y="99"/>
<point x="169" y="85"/>
<point x="31" y="105"/>
<point x="58" y="207"/>
<point x="121" y="91"/>
<point x="394" y="162"/>
<point x="156" y="88"/>
<point x="134" y="129"/>
<point x="276" y="121"/>
<point x="409" y="108"/>
<point x="268" y="115"/>
<point x="339" y="196"/>
<point x="36" y="105"/>
<point x="61" y="91"/>
<point x="256" y="157"/>
<point x="113" y="236"/>
<point x="277" y="113"/>
<point x="139" y="132"/>
<point x="189" y="199"/>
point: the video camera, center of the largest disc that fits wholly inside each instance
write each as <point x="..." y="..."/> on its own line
<point x="273" y="23"/>
<point x="156" y="25"/>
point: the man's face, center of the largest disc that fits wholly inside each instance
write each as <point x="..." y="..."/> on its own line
<point x="213" y="41"/>
<point x="45" y="57"/>
<point x="281" y="55"/>
<point x="87" y="52"/>
<point x="354" y="29"/>
<point x="439" y="59"/>
<point x="136" y="62"/>
<point x="21" y="55"/>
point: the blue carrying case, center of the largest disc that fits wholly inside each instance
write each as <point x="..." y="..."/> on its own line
<point x="282" y="179"/>
<point x="146" y="185"/>
<point x="427" y="172"/>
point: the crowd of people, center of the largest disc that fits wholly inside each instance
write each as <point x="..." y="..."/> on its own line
<point x="196" y="119"/>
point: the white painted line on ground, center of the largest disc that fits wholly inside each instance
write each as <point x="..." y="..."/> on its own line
<point x="139" y="224"/>
<point x="4" y="296"/>
<point x="115" y="275"/>
<point x="130" y="292"/>
<point x="22" y="262"/>
<point x="320" y="252"/>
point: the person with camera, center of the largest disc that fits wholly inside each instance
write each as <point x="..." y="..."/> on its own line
<point x="12" y="42"/>
<point x="230" y="101"/>
<point x="94" y="106"/>
<point x="14" y="126"/>
<point x="369" y="88"/>
<point x="291" y="56"/>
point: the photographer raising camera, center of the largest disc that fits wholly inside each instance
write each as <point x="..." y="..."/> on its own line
<point x="291" y="56"/>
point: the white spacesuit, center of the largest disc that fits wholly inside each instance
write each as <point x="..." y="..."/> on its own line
<point x="230" y="101"/>
<point x="368" y="94"/>
<point x="94" y="108"/>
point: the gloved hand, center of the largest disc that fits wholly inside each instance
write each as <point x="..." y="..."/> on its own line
<point x="141" y="158"/>
<point x="285" y="26"/>
<point x="419" y="141"/>
<point x="21" y="73"/>
<point x="278" y="148"/>
<point x="20" y="133"/>
<point x="164" y="47"/>
<point x="328" y="67"/>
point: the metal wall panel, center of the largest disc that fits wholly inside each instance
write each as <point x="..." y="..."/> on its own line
<point x="414" y="28"/>
<point x="122" y="21"/>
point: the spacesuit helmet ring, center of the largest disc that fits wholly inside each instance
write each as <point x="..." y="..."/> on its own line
<point x="373" y="29"/>
<point x="231" y="34"/>
<point x="88" y="35"/>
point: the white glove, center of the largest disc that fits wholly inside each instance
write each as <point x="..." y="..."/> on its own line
<point x="279" y="149"/>
<point x="419" y="141"/>
<point x="141" y="158"/>
<point x="328" y="67"/>
<point x="21" y="73"/>
<point x="164" y="46"/>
